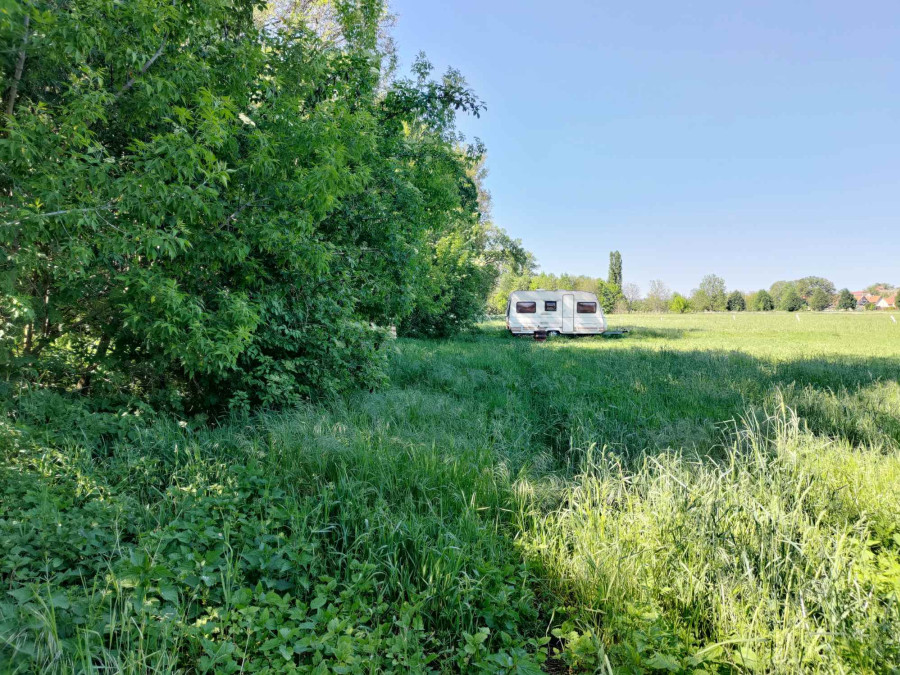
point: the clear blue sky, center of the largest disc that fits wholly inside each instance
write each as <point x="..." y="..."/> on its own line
<point x="756" y="139"/>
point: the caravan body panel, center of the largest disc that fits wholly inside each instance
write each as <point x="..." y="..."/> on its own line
<point x="563" y="312"/>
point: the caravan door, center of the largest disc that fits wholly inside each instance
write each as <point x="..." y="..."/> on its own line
<point x="568" y="313"/>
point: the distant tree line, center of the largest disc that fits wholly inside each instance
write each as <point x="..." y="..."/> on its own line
<point x="711" y="295"/>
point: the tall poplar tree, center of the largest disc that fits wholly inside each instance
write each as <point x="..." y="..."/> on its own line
<point x="615" y="269"/>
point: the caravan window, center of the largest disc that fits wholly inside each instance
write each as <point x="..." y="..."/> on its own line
<point x="526" y="307"/>
<point x="587" y="307"/>
<point x="550" y="306"/>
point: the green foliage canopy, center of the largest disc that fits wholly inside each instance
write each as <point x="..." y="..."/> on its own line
<point x="819" y="300"/>
<point x="710" y="295"/>
<point x="736" y="302"/>
<point x="804" y="287"/>
<point x="809" y="285"/>
<point x="762" y="302"/>
<point x="790" y="299"/>
<point x="615" y="269"/>
<point x="206" y="212"/>
<point x="846" y="300"/>
<point x="679" y="304"/>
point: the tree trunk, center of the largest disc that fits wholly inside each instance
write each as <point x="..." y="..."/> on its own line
<point x="20" y="65"/>
<point x="84" y="383"/>
<point x="29" y="337"/>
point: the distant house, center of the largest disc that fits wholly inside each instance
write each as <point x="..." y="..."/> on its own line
<point x="864" y="299"/>
<point x="873" y="299"/>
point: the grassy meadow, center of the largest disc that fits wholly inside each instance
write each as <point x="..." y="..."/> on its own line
<point x="710" y="494"/>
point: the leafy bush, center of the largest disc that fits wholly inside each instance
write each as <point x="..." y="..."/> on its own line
<point x="762" y="302"/>
<point x="846" y="300"/>
<point x="710" y="295"/>
<point x="819" y="300"/>
<point x="679" y="304"/>
<point x="211" y="212"/>
<point x="455" y="286"/>
<point x="736" y="302"/>
<point x="790" y="300"/>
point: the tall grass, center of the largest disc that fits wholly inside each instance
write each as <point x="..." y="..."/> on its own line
<point x="694" y="497"/>
<point x="780" y="556"/>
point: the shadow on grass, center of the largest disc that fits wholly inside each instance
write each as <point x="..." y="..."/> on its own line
<point x="658" y="332"/>
<point x="562" y="397"/>
<point x="499" y="331"/>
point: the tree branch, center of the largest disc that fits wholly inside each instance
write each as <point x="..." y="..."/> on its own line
<point x="128" y="85"/>
<point x="105" y="207"/>
<point x="20" y="65"/>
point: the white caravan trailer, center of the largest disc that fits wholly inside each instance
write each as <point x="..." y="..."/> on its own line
<point x="541" y="313"/>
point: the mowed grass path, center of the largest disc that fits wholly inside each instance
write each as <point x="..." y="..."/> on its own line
<point x="712" y="493"/>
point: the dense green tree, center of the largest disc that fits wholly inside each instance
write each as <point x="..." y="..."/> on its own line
<point x="457" y="284"/>
<point x="846" y="300"/>
<point x="508" y="282"/>
<point x="610" y="297"/>
<point x="547" y="281"/>
<point x="790" y="299"/>
<point x="700" y="301"/>
<point x="679" y="304"/>
<point x="710" y="295"/>
<point x="207" y="210"/>
<point x="804" y="287"/>
<point x="762" y="302"/>
<point x="736" y="302"/>
<point x="468" y="256"/>
<point x="615" y="269"/>
<point x="809" y="285"/>
<point x="819" y="300"/>
<point x="776" y="289"/>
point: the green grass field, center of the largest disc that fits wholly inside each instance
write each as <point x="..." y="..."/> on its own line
<point x="710" y="494"/>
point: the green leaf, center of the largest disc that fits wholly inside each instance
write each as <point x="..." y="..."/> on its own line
<point x="59" y="600"/>
<point x="169" y="592"/>
<point x="662" y="661"/>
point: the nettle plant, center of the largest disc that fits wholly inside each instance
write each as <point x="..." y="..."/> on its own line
<point x="204" y="209"/>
